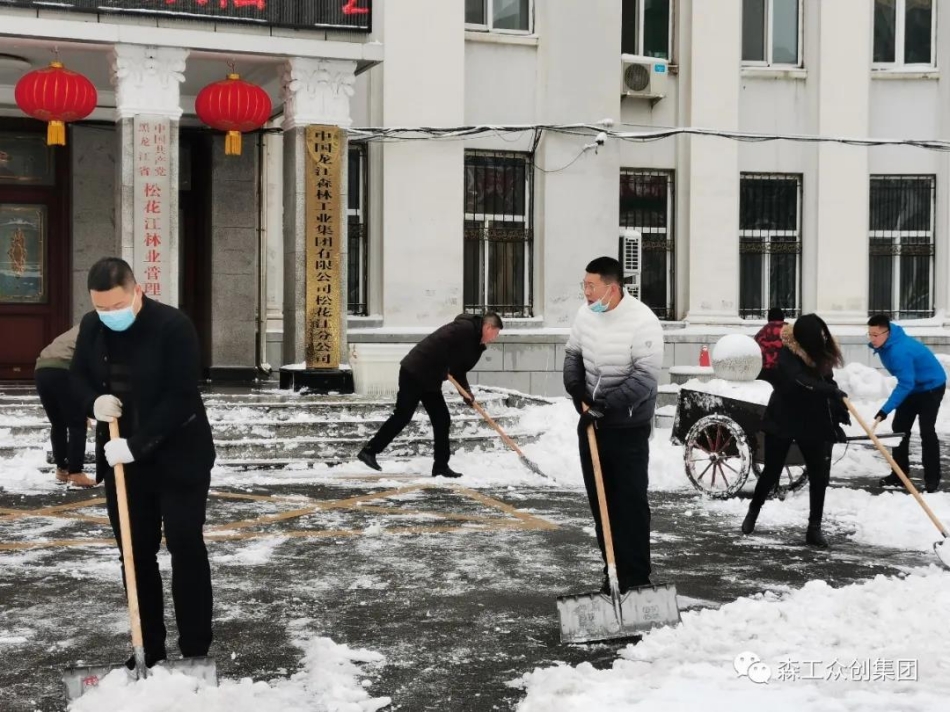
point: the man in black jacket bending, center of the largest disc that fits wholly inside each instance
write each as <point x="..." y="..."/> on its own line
<point x="137" y="361"/>
<point x="453" y="349"/>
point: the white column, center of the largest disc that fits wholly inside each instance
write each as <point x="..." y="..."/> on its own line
<point x="148" y="110"/>
<point x="841" y="180"/>
<point x="712" y="71"/>
<point x="423" y="181"/>
<point x="577" y="207"/>
<point x="316" y="91"/>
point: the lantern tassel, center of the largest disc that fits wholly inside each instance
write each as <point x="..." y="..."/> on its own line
<point x="232" y="144"/>
<point x="56" y="134"/>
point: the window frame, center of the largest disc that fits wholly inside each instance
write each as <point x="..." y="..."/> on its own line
<point x="486" y="221"/>
<point x="765" y="236"/>
<point x="896" y="306"/>
<point x="641" y="10"/>
<point x="488" y="25"/>
<point x="361" y="213"/>
<point x="769" y="30"/>
<point x="669" y="233"/>
<point x="900" y="40"/>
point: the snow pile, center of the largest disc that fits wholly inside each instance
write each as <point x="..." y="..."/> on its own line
<point x="870" y="646"/>
<point x="751" y="391"/>
<point x="328" y="682"/>
<point x="864" y="383"/>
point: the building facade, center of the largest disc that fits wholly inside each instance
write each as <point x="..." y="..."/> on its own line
<point x="507" y="220"/>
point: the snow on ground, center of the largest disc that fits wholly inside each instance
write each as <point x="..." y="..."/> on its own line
<point x="870" y="646"/>
<point x="331" y="679"/>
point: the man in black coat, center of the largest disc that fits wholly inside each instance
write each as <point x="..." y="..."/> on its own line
<point x="453" y="349"/>
<point x="137" y="361"/>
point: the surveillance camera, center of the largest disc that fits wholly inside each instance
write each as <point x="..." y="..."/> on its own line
<point x="600" y="139"/>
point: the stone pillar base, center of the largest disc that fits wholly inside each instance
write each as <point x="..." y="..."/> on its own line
<point x="318" y="381"/>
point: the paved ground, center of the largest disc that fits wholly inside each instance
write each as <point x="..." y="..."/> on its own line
<point x="455" y="587"/>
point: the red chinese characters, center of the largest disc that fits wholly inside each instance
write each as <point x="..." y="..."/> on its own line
<point x="151" y="206"/>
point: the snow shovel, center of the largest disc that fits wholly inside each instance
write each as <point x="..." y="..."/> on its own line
<point x="942" y="547"/>
<point x="591" y="617"/>
<point x="508" y="441"/>
<point x="79" y="680"/>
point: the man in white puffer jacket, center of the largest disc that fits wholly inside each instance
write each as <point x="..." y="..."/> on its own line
<point x="613" y="358"/>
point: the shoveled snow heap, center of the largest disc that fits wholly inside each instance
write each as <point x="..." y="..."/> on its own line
<point x="876" y="646"/>
<point x="327" y="682"/>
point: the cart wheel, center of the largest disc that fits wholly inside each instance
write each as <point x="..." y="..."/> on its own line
<point x="793" y="477"/>
<point x="717" y="456"/>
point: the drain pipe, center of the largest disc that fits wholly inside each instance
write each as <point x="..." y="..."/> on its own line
<point x="263" y="366"/>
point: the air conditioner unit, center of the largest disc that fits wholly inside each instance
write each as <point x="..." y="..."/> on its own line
<point x="643" y="77"/>
<point x="631" y="257"/>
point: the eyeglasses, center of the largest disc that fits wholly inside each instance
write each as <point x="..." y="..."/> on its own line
<point x="878" y="335"/>
<point x="585" y="287"/>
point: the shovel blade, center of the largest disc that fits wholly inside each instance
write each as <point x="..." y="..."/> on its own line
<point x="942" y="549"/>
<point x="82" y="679"/>
<point x="590" y="617"/>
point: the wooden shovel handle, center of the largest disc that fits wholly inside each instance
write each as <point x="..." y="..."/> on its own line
<point x="488" y="419"/>
<point x="894" y="466"/>
<point x="601" y="493"/>
<point x="128" y="560"/>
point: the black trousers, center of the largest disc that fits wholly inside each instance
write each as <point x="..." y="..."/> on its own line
<point x="411" y="393"/>
<point x="624" y="462"/>
<point x="152" y="504"/>
<point x="817" y="456"/>
<point x="924" y="405"/>
<point x="67" y="423"/>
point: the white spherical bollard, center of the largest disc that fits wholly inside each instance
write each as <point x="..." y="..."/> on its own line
<point x="736" y="357"/>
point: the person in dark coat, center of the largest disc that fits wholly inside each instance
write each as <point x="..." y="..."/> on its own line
<point x="67" y="425"/>
<point x="137" y="361"/>
<point x="806" y="408"/>
<point x="921" y="384"/>
<point x="453" y="349"/>
<point x="769" y="339"/>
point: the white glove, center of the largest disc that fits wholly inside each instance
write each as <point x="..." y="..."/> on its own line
<point x="107" y="408"/>
<point x="118" y="453"/>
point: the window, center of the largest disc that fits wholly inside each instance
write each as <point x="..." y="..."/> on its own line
<point x="770" y="244"/>
<point x="646" y="28"/>
<point x="901" y="246"/>
<point x="357" y="237"/>
<point x="904" y="33"/>
<point x="499" y="15"/>
<point x="498" y="259"/>
<point x="647" y="204"/>
<point x="771" y="32"/>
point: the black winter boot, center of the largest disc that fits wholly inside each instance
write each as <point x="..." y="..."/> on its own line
<point x="444" y="471"/>
<point x="748" y="524"/>
<point x="814" y="537"/>
<point x="367" y="457"/>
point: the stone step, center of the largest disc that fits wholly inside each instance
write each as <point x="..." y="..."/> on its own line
<point x="36" y="431"/>
<point x="317" y="449"/>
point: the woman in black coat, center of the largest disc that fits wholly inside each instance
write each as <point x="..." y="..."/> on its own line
<point x="806" y="407"/>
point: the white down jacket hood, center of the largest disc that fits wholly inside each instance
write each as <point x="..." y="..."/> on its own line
<point x="616" y="357"/>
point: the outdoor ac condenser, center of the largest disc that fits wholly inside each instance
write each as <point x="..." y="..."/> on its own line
<point x="643" y="77"/>
<point x="631" y="257"/>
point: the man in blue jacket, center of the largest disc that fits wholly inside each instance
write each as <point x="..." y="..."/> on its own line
<point x="921" y="382"/>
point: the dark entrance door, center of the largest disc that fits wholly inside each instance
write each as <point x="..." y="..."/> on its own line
<point x="35" y="250"/>
<point x="194" y="225"/>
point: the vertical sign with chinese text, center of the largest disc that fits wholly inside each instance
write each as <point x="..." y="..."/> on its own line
<point x="152" y="205"/>
<point x="324" y="228"/>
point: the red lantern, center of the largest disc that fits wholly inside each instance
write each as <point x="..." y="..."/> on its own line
<point x="57" y="95"/>
<point x="235" y="106"/>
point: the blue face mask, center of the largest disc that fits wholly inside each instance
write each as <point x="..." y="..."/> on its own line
<point x="600" y="306"/>
<point x="118" y="319"/>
